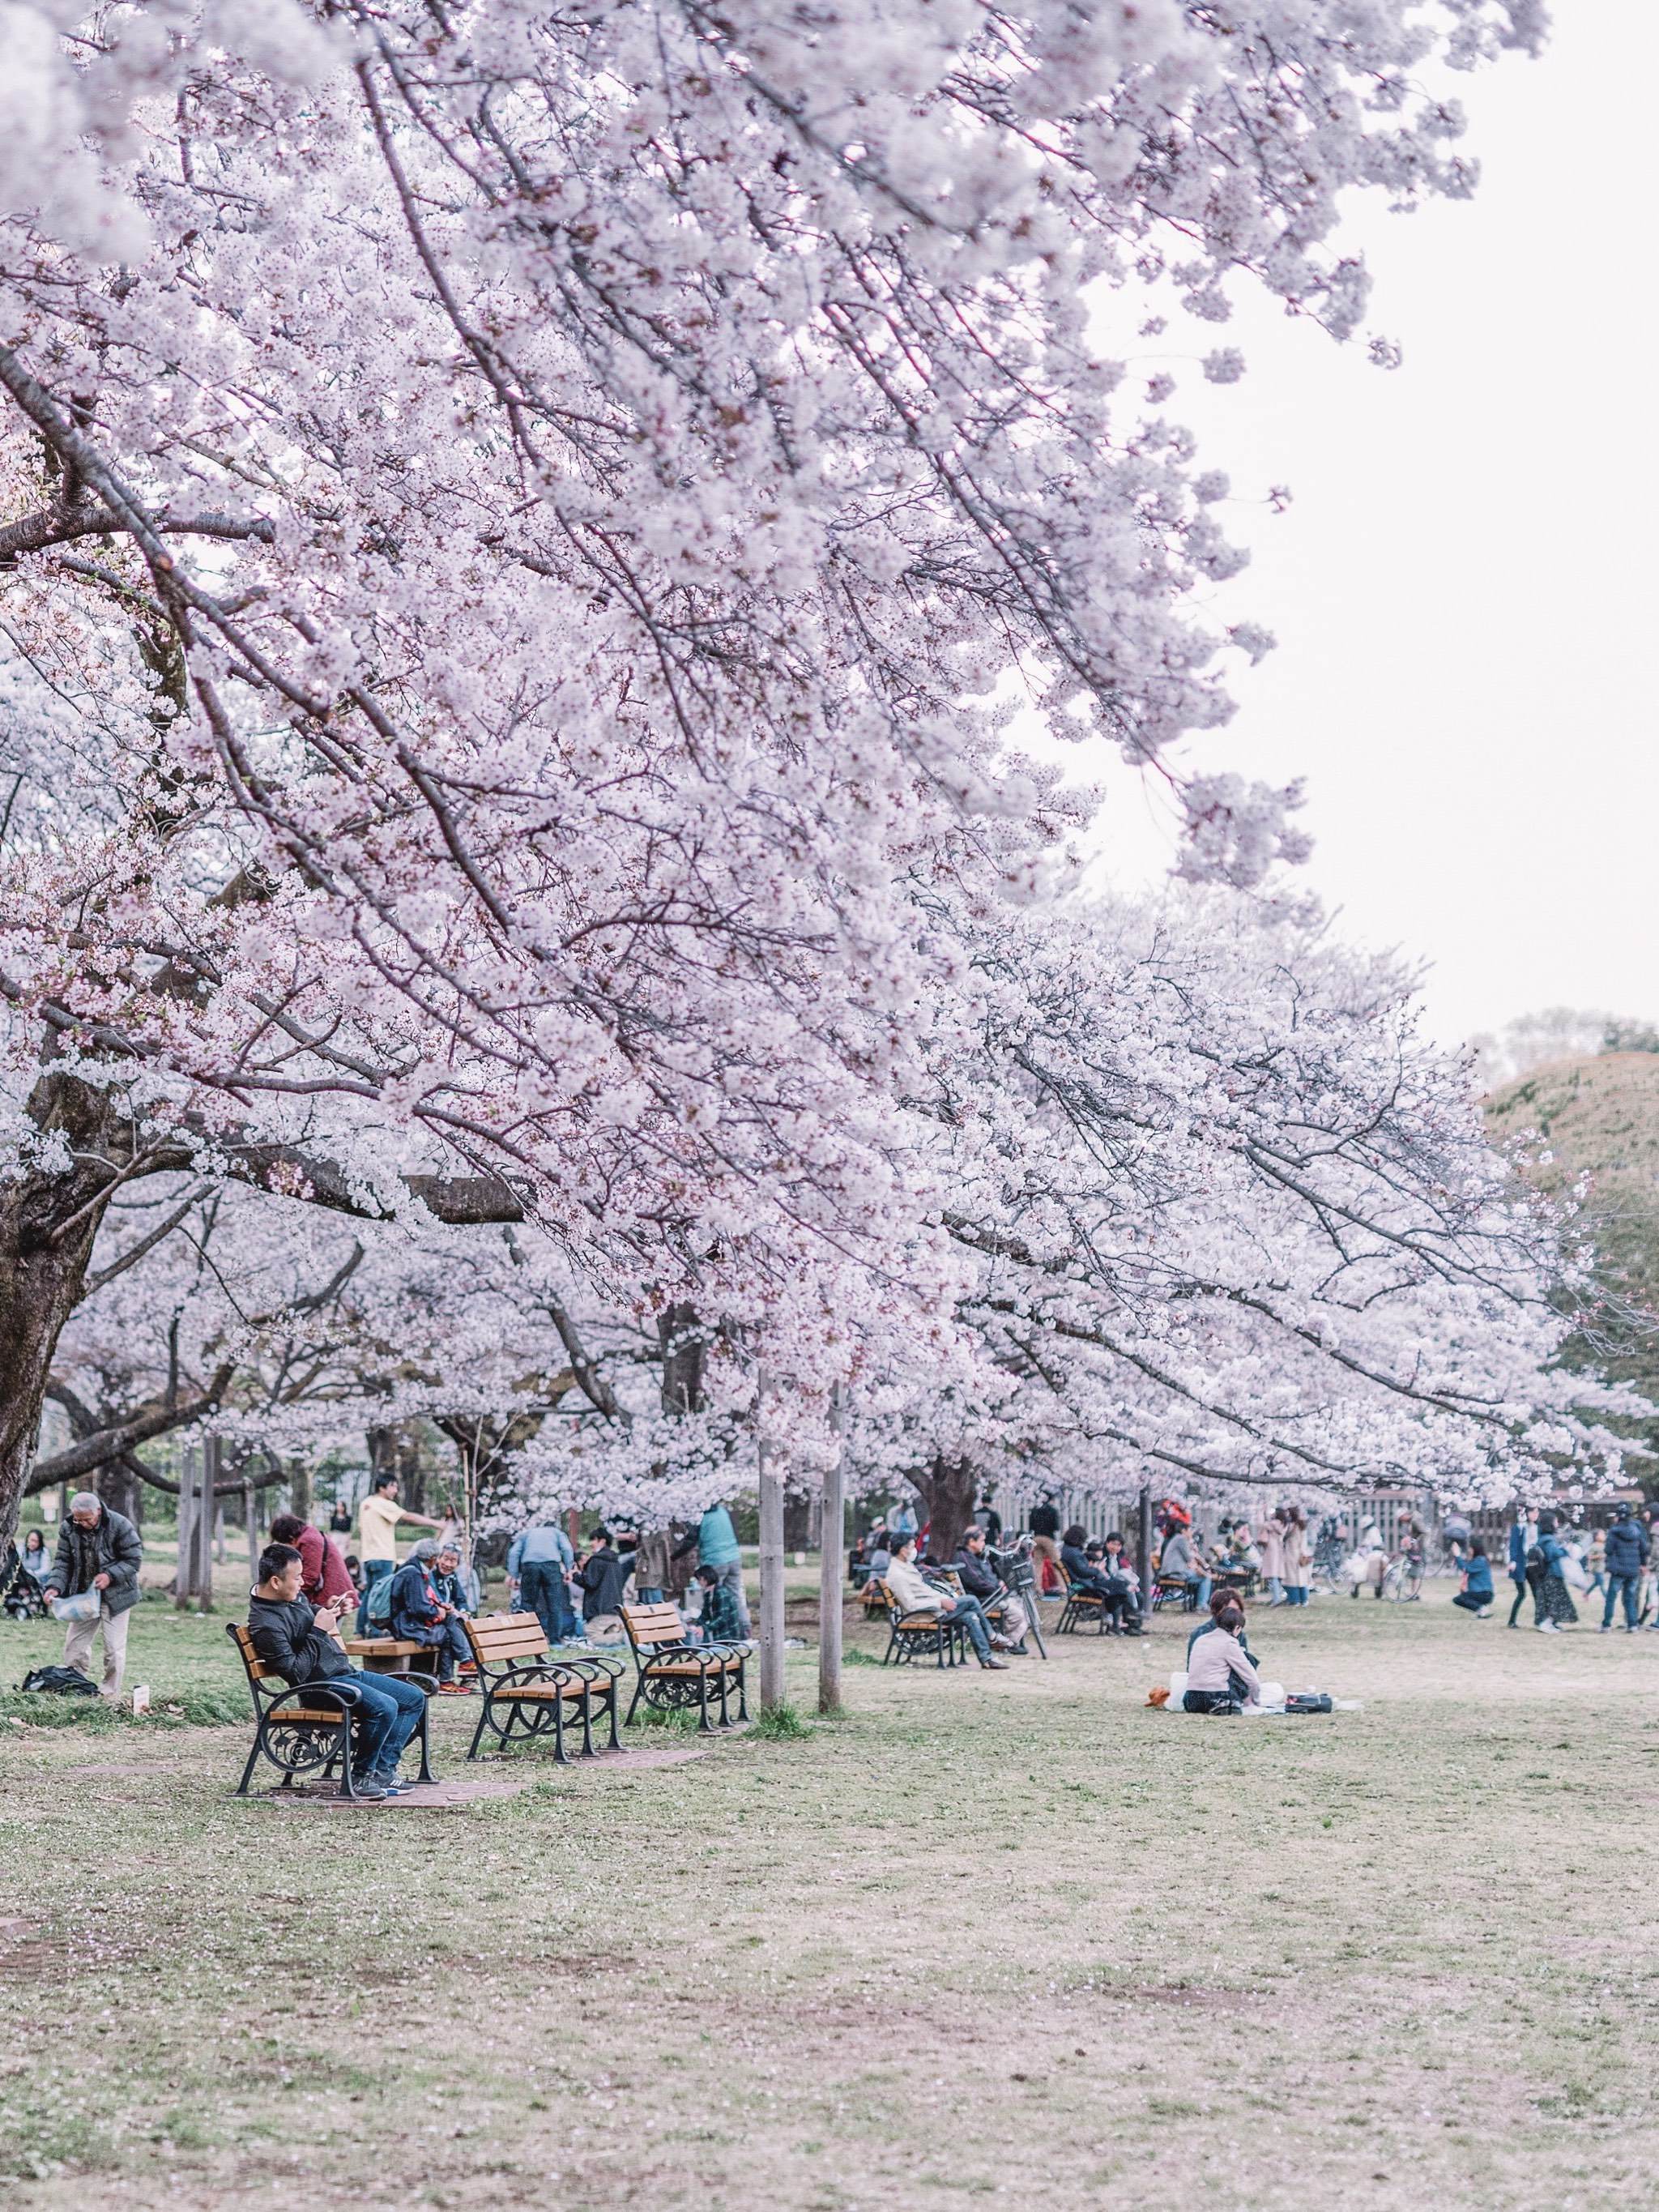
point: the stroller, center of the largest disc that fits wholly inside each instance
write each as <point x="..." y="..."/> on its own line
<point x="21" y="1597"/>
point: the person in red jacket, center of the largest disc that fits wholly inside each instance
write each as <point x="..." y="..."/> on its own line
<point x="323" y="1571"/>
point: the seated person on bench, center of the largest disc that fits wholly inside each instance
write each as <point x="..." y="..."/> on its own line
<point x="1221" y="1676"/>
<point x="303" y="1644"/>
<point x="981" y="1580"/>
<point x="421" y="1615"/>
<point x="1086" y="1565"/>
<point x="720" y="1621"/>
<point x="1117" y="1569"/>
<point x="1120" y="1588"/>
<point x="1179" y="1562"/>
<point x="912" y="1592"/>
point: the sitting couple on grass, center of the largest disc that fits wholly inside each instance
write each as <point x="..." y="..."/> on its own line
<point x="301" y="1642"/>
<point x="912" y="1592"/>
<point x="1221" y="1673"/>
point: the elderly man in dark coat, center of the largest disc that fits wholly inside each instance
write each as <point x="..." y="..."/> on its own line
<point x="99" y="1555"/>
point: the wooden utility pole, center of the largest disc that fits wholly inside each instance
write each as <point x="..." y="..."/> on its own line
<point x="1143" y="1555"/>
<point x="771" y="1570"/>
<point x="832" y="1528"/>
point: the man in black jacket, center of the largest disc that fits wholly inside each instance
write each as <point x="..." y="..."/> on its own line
<point x="981" y="1580"/>
<point x="602" y="1576"/>
<point x="101" y="1551"/>
<point x="1627" y="1555"/>
<point x="303" y="1644"/>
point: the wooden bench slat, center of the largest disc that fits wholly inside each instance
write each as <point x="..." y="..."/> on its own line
<point x="727" y="1664"/>
<point x="492" y="1646"/>
<point x="518" y="1691"/>
<point x="385" y="1647"/>
<point x="286" y="1713"/>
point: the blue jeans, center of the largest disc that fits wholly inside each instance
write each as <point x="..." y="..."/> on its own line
<point x="374" y="1571"/>
<point x="542" y="1591"/>
<point x="1627" y="1584"/>
<point x="448" y="1639"/>
<point x="648" y="1596"/>
<point x="970" y="1614"/>
<point x="386" y="1709"/>
<point x="1201" y="1584"/>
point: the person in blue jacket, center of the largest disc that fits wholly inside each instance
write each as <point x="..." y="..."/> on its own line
<point x="1475" y="1596"/>
<point x="716" y="1542"/>
<point x="1627" y="1555"/>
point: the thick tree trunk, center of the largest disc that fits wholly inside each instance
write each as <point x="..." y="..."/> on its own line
<point x="684" y="1354"/>
<point x="48" y="1224"/>
<point x="949" y="1488"/>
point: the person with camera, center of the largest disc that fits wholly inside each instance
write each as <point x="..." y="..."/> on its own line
<point x="301" y="1642"/>
<point x="98" y="1550"/>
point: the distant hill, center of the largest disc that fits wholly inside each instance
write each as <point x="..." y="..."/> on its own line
<point x="1599" y="1116"/>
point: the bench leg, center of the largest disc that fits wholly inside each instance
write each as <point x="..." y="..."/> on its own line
<point x="425" y="1733"/>
<point x="703" y="1703"/>
<point x="253" y="1759"/>
<point x="611" y="1707"/>
<point x="743" y="1693"/>
<point x="639" y="1685"/>
<point x="485" y="1710"/>
<point x="588" y="1720"/>
<point x="559" y="1758"/>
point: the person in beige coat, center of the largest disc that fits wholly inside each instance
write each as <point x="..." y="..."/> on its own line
<point x="1298" y="1556"/>
<point x="1271" y="1538"/>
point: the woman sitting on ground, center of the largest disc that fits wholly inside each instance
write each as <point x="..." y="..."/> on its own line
<point x="1475" y="1595"/>
<point x="1221" y="1676"/>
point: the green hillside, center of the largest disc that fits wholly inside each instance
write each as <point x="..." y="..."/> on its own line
<point x="1598" y="1115"/>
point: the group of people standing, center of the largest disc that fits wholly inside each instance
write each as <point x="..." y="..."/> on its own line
<point x="1548" y="1562"/>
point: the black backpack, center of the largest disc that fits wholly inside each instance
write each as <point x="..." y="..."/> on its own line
<point x="60" y="1678"/>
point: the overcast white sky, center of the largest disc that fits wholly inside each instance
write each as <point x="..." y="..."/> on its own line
<point x="1466" y="590"/>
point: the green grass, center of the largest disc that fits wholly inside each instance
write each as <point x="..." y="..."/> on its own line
<point x="985" y="1936"/>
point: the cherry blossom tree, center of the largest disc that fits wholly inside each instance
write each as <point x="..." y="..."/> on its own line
<point x="513" y="525"/>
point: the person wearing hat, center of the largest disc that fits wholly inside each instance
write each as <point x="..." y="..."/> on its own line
<point x="97" y="1550"/>
<point x="420" y="1613"/>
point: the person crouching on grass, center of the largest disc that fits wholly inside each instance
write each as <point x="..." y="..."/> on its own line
<point x="302" y="1642"/>
<point x="1221" y="1676"/>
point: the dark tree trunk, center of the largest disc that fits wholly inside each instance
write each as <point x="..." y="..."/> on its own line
<point x="949" y="1488"/>
<point x="121" y="1489"/>
<point x="684" y="1355"/>
<point x="797" y="1521"/>
<point x="48" y="1224"/>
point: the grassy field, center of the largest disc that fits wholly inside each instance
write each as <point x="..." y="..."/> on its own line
<point x="991" y="1936"/>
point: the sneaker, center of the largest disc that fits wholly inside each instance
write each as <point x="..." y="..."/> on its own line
<point x="367" y="1789"/>
<point x="996" y="1665"/>
<point x="1547" y="1628"/>
<point x="455" y="1689"/>
<point x="1485" y="1614"/>
<point x="1605" y="1629"/>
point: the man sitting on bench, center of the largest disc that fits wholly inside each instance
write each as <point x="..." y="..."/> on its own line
<point x="911" y="1592"/>
<point x="420" y="1614"/>
<point x="981" y="1580"/>
<point x="303" y="1644"/>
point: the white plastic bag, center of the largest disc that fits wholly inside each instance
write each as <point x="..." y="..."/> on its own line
<point x="82" y="1607"/>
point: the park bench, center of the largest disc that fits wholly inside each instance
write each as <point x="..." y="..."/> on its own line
<point x="303" y="1731"/>
<point x="673" y="1676"/>
<point x="1081" y="1604"/>
<point x="933" y="1635"/>
<point x="874" y="1597"/>
<point x="527" y="1695"/>
<point x="1172" y="1586"/>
